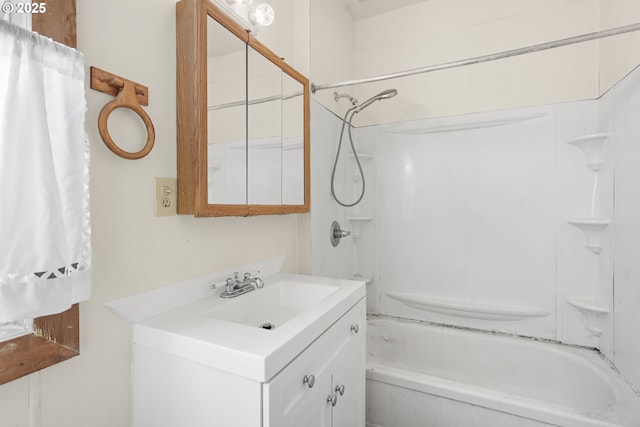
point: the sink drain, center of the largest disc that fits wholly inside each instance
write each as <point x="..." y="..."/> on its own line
<point x="267" y="325"/>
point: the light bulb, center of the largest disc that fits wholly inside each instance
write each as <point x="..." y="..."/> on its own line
<point x="262" y="14"/>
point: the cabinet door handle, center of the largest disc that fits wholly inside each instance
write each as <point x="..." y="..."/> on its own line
<point x="340" y="389"/>
<point x="355" y="328"/>
<point x="309" y="380"/>
<point x="333" y="399"/>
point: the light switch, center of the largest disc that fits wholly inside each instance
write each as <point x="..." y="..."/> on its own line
<point x="165" y="196"/>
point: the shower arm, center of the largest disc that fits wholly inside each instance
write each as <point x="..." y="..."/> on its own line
<point x="336" y="96"/>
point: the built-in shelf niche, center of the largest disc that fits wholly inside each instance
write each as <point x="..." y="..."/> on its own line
<point x="356" y="225"/>
<point x="366" y="279"/>
<point x="592" y="229"/>
<point x="593" y="146"/>
<point x="593" y="310"/>
<point x="468" y="308"/>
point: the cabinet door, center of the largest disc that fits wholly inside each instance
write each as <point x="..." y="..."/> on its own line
<point x="316" y="414"/>
<point x="349" y="376"/>
<point x="288" y="397"/>
<point x="290" y="400"/>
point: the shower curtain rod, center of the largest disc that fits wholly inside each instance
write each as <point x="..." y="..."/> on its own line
<point x="486" y="58"/>
<point x="254" y="101"/>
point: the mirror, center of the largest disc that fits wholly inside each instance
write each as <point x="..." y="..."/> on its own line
<point x="226" y="116"/>
<point x="243" y="120"/>
<point x="294" y="148"/>
<point x="264" y="130"/>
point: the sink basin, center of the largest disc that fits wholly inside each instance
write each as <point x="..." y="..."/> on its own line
<point x="254" y="335"/>
<point x="272" y="305"/>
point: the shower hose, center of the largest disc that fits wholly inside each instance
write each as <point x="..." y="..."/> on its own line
<point x="347" y="121"/>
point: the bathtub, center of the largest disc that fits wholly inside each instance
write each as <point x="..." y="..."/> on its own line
<point x="425" y="375"/>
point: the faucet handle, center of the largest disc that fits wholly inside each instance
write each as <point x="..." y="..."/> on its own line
<point x="251" y="274"/>
<point x="230" y="284"/>
<point x="224" y="282"/>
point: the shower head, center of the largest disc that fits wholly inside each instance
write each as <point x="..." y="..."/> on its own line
<point x="386" y="94"/>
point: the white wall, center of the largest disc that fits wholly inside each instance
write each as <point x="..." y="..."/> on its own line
<point x="439" y="31"/>
<point x="332" y="48"/>
<point x="620" y="112"/>
<point x="613" y="65"/>
<point x="134" y="251"/>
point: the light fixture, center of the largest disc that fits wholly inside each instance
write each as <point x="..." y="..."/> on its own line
<point x="262" y="15"/>
<point x="249" y="15"/>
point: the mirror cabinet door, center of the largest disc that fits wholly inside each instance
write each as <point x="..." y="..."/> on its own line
<point x="226" y="116"/>
<point x="264" y="130"/>
<point x="293" y="147"/>
<point x="243" y="120"/>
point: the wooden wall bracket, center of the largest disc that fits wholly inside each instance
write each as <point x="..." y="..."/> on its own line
<point x="129" y="94"/>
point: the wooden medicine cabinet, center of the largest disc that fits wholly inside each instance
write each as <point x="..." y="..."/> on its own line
<point x="243" y="120"/>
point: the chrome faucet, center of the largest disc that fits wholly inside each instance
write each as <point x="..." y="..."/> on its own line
<point x="235" y="286"/>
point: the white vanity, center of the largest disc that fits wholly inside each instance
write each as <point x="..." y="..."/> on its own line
<point x="291" y="353"/>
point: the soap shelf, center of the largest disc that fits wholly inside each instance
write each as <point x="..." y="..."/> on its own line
<point x="592" y="145"/>
<point x="468" y="308"/>
<point x="367" y="279"/>
<point x="356" y="225"/>
<point x="592" y="229"/>
<point x="593" y="310"/>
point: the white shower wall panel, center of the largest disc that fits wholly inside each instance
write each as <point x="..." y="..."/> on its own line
<point x="327" y="260"/>
<point x="622" y="111"/>
<point x="476" y="211"/>
<point x="471" y="220"/>
<point x="468" y="217"/>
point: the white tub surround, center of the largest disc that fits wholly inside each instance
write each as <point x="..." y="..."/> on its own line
<point x="504" y="221"/>
<point x="471" y="221"/>
<point x="452" y="377"/>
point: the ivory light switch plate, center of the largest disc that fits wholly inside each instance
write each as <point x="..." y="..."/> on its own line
<point x="165" y="196"/>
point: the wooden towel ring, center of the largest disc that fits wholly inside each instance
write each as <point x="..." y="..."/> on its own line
<point x="129" y="95"/>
